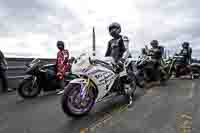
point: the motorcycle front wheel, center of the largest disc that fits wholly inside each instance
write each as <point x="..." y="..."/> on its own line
<point x="72" y="102"/>
<point x="29" y="88"/>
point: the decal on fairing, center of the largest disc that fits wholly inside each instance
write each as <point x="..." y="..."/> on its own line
<point x="107" y="77"/>
<point x="97" y="71"/>
<point x="84" y="70"/>
<point x="98" y="76"/>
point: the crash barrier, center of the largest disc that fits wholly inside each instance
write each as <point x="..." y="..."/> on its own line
<point x="17" y="67"/>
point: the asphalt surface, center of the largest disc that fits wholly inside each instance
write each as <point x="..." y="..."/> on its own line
<point x="160" y="110"/>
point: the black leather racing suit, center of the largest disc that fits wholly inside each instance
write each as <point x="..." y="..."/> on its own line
<point x="118" y="51"/>
<point x="116" y="48"/>
<point x="186" y="53"/>
<point x="156" y="55"/>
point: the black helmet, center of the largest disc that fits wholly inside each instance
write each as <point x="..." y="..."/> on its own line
<point x="154" y="43"/>
<point x="115" y="26"/>
<point x="185" y="44"/>
<point x="60" y="44"/>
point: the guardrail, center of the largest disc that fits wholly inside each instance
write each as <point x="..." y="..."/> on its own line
<point x="16" y="69"/>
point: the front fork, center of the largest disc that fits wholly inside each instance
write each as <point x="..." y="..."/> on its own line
<point x="85" y="85"/>
<point x="34" y="81"/>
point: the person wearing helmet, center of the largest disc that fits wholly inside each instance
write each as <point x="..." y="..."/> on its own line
<point x="117" y="49"/>
<point x="186" y="52"/>
<point x="155" y="51"/>
<point x="156" y="56"/>
<point x="62" y="65"/>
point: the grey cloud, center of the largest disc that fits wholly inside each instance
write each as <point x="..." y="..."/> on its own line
<point x="20" y="17"/>
<point x="171" y="21"/>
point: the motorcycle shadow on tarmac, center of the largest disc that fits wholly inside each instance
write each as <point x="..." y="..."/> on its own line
<point x="14" y="101"/>
<point x="42" y="96"/>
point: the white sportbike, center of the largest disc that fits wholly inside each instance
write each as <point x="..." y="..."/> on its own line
<point x="97" y="80"/>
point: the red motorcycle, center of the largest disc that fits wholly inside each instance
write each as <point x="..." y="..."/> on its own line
<point x="178" y="68"/>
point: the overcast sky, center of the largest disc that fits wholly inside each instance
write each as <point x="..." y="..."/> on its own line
<point x="32" y="27"/>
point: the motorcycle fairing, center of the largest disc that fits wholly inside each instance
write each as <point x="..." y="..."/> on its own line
<point x="102" y="77"/>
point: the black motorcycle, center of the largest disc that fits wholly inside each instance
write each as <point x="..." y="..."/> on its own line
<point x="40" y="77"/>
<point x="145" y="72"/>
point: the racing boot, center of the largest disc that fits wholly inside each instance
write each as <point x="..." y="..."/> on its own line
<point x="130" y="91"/>
<point x="130" y="98"/>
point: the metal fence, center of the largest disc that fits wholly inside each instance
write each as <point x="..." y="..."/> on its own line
<point x="16" y="69"/>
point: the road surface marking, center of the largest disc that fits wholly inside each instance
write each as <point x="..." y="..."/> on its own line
<point x="107" y="119"/>
<point x="100" y="123"/>
<point x="184" y="122"/>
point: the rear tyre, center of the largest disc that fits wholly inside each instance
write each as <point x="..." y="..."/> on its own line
<point x="73" y="105"/>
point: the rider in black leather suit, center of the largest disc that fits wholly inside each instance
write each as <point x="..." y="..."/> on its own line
<point x="116" y="47"/>
<point x="186" y="52"/>
<point x="118" y="51"/>
<point x="156" y="55"/>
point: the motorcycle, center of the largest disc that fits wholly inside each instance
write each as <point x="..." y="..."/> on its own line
<point x="98" y="80"/>
<point x="40" y="77"/>
<point x="145" y="72"/>
<point x="175" y="66"/>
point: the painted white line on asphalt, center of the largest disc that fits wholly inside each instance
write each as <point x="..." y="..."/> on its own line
<point x="191" y="94"/>
<point x="100" y="123"/>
